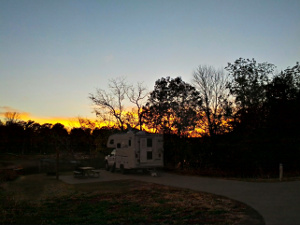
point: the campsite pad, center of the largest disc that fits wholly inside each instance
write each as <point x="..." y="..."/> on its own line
<point x="104" y="176"/>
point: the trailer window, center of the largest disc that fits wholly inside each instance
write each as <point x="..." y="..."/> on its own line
<point x="129" y="142"/>
<point x="119" y="145"/>
<point x="149" y="155"/>
<point x="111" y="141"/>
<point x="149" y="142"/>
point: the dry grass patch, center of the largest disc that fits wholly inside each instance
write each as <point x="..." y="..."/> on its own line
<point x="40" y="199"/>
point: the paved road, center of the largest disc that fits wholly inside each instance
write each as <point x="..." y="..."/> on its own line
<point x="278" y="203"/>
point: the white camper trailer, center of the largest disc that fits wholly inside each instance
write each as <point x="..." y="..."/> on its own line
<point x="135" y="150"/>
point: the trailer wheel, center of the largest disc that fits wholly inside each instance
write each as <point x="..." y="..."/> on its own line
<point x="123" y="171"/>
<point x="106" y="166"/>
<point x="113" y="168"/>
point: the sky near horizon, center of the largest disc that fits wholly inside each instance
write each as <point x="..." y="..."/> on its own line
<point x="54" y="53"/>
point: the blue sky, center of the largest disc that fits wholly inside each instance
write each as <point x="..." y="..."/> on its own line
<point x="54" y="53"/>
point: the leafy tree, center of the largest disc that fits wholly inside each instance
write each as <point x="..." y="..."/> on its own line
<point x="46" y="138"/>
<point x="172" y="107"/>
<point x="12" y="133"/>
<point x="283" y="101"/>
<point x="13" y="138"/>
<point x="60" y="139"/>
<point x="80" y="140"/>
<point x="248" y="86"/>
<point x="31" y="136"/>
<point x="285" y="86"/>
<point x="59" y="130"/>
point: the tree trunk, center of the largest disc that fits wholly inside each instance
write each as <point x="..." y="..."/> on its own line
<point x="57" y="163"/>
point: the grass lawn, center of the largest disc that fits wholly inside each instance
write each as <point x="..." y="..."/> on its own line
<point x="40" y="199"/>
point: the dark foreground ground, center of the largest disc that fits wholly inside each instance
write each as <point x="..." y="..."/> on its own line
<point x="277" y="202"/>
<point x="38" y="198"/>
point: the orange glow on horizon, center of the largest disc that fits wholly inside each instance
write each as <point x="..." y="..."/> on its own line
<point x="67" y="122"/>
<point x="77" y="122"/>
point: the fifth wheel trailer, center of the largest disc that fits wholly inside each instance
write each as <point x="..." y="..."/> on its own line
<point x="135" y="150"/>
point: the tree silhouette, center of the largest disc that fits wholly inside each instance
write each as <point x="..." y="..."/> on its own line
<point x="81" y="140"/>
<point x="248" y="86"/>
<point x="12" y="117"/>
<point x="173" y="107"/>
<point x="211" y="84"/>
<point x="110" y="105"/>
<point x="136" y="95"/>
<point x="283" y="101"/>
<point x="13" y="133"/>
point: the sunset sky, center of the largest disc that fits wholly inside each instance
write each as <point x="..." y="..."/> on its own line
<point x="53" y="53"/>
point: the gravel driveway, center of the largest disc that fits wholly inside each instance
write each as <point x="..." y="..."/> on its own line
<point x="278" y="202"/>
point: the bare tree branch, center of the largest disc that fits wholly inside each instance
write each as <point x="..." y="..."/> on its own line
<point x="211" y="84"/>
<point x="137" y="95"/>
<point x="111" y="103"/>
<point x="12" y="117"/>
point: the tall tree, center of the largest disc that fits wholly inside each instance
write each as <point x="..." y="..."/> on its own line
<point x="13" y="133"/>
<point x="46" y="138"/>
<point x="211" y="84"/>
<point x="110" y="105"/>
<point x="31" y="139"/>
<point x="136" y="95"/>
<point x="81" y="140"/>
<point x="172" y="107"/>
<point x="283" y="101"/>
<point x="248" y="87"/>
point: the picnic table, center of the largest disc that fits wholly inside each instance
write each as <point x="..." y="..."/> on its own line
<point x="86" y="171"/>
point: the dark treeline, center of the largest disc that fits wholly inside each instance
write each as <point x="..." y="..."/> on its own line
<point x="248" y="120"/>
<point x="20" y="137"/>
<point x="262" y="111"/>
